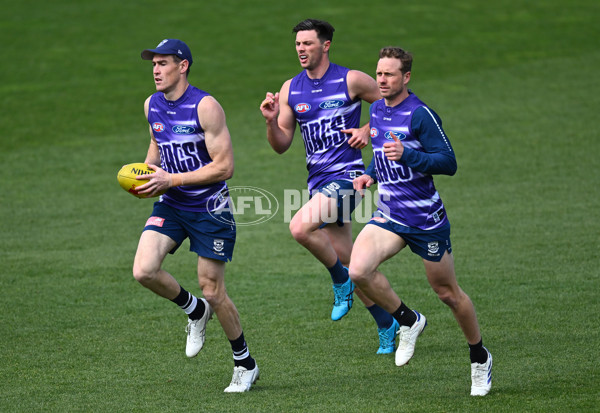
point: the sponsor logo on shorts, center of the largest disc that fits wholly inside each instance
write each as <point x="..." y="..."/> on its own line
<point x="158" y="127"/>
<point x="331" y="104"/>
<point x="302" y="107"/>
<point x="155" y="221"/>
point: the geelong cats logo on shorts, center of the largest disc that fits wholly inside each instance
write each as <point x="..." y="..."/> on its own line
<point x="218" y="245"/>
<point x="433" y="248"/>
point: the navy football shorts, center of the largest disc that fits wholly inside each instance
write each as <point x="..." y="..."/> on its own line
<point x="430" y="245"/>
<point x="347" y="201"/>
<point x="210" y="236"/>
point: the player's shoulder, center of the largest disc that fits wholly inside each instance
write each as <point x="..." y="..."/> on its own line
<point x="362" y="85"/>
<point x="423" y="116"/>
<point x="208" y="103"/>
<point x="153" y="95"/>
<point x="356" y="76"/>
<point x="285" y="90"/>
<point x="147" y="103"/>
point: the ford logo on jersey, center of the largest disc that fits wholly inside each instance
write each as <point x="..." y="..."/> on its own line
<point x="391" y="134"/>
<point x="158" y="127"/>
<point x="302" y="107"/>
<point x="183" y="130"/>
<point x="331" y="104"/>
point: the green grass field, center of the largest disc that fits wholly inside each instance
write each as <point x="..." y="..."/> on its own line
<point x="516" y="84"/>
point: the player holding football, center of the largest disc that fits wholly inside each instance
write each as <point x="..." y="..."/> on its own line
<point x="190" y="141"/>
<point x="409" y="146"/>
<point x="325" y="100"/>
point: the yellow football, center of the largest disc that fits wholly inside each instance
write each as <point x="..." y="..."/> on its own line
<point x="127" y="175"/>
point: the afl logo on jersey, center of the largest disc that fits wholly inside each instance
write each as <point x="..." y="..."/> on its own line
<point x="183" y="130"/>
<point x="331" y="104"/>
<point x="158" y="127"/>
<point x="302" y="107"/>
<point x="374" y="133"/>
<point x="390" y="135"/>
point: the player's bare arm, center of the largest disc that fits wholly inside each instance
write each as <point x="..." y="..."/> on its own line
<point x="280" y="119"/>
<point x="362" y="86"/>
<point x="155" y="186"/>
<point x="218" y="145"/>
<point x="153" y="155"/>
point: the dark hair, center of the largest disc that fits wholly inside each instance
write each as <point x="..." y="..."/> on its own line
<point x="178" y="60"/>
<point x="400" y="54"/>
<point x="324" y="30"/>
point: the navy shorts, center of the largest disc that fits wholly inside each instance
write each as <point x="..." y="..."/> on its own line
<point x="430" y="245"/>
<point x="209" y="236"/>
<point x="347" y="201"/>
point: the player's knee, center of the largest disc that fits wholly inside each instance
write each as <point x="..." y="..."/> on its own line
<point x="357" y="273"/>
<point x="298" y="232"/>
<point x="142" y="275"/>
<point x="210" y="296"/>
<point x="448" y="297"/>
<point x="212" y="292"/>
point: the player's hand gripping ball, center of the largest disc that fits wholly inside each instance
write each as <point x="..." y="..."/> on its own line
<point x="127" y="175"/>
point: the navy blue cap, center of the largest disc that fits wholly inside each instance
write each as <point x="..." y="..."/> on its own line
<point x="167" y="47"/>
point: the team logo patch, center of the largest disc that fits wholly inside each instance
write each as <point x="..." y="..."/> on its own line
<point x="374" y="133"/>
<point x="158" y="127"/>
<point x="183" y="130"/>
<point x="302" y="107"/>
<point x="433" y="248"/>
<point x="155" y="222"/>
<point x="331" y="104"/>
<point x="218" y="245"/>
<point x="390" y="135"/>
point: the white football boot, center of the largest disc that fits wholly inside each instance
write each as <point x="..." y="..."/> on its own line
<point x="196" y="331"/>
<point x="481" y="377"/>
<point x="408" y="339"/>
<point x="242" y="379"/>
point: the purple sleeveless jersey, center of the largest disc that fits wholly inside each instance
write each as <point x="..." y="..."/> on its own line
<point x="322" y="108"/>
<point x="180" y="139"/>
<point x="406" y="196"/>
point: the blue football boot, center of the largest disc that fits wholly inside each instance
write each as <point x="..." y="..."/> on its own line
<point x="343" y="299"/>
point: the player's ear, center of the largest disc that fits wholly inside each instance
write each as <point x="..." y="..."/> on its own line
<point x="184" y="65"/>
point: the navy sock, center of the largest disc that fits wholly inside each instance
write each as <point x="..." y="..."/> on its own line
<point x="241" y="354"/>
<point x="339" y="274"/>
<point x="478" y="353"/>
<point x="193" y="307"/>
<point x="404" y="315"/>
<point x="382" y="317"/>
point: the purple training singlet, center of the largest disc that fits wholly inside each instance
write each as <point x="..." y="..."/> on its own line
<point x="180" y="139"/>
<point x="406" y="196"/>
<point x="322" y="108"/>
